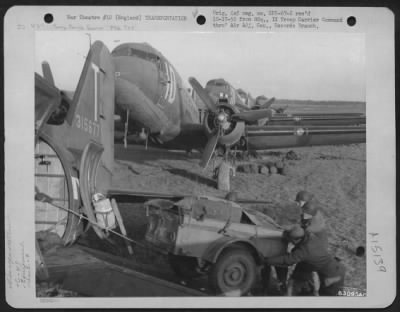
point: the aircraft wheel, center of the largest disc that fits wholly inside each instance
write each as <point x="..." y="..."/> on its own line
<point x="234" y="273"/>
<point x="242" y="142"/>
<point x="220" y="151"/>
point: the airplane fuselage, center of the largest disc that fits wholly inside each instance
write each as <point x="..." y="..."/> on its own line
<point x="150" y="96"/>
<point x="222" y="91"/>
<point x="150" y="92"/>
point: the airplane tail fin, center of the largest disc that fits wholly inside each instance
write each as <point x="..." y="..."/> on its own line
<point x="91" y="114"/>
<point x="47" y="73"/>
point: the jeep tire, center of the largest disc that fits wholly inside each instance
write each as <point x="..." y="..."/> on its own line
<point x="234" y="273"/>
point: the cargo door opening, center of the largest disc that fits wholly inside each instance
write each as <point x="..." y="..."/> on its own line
<point x="50" y="178"/>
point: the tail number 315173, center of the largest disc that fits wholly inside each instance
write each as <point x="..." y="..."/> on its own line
<point x="84" y="123"/>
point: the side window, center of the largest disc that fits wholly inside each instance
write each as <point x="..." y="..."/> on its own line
<point x="168" y="78"/>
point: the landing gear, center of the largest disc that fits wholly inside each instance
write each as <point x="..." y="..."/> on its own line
<point x="225" y="170"/>
<point x="126" y="129"/>
<point x="224" y="176"/>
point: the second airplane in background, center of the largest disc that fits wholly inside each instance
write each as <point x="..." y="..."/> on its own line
<point x="153" y="104"/>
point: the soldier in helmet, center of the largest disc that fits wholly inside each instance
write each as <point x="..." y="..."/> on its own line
<point x="311" y="249"/>
<point x="311" y="212"/>
<point x="303" y="197"/>
<point x="312" y="219"/>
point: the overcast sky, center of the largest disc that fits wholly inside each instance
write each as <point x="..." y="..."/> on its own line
<point x="315" y="66"/>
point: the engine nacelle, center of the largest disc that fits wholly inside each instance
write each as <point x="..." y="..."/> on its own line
<point x="232" y="130"/>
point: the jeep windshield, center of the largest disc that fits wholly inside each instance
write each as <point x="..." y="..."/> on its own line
<point x="252" y="216"/>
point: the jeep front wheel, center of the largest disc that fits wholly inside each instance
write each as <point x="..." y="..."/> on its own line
<point x="234" y="273"/>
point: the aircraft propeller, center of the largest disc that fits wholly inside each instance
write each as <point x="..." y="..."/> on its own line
<point x="202" y="93"/>
<point x="209" y="149"/>
<point x="225" y="120"/>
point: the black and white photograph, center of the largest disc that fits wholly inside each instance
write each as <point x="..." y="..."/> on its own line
<point x="210" y="131"/>
<point x="201" y="163"/>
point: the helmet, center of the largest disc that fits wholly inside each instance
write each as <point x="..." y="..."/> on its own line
<point x="310" y="208"/>
<point x="304" y="196"/>
<point x="232" y="196"/>
<point x="295" y="232"/>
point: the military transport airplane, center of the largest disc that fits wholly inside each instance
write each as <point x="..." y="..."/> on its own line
<point x="222" y="91"/>
<point x="151" y="100"/>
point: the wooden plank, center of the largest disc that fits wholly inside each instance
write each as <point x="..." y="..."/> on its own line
<point x="91" y="276"/>
<point x="121" y="225"/>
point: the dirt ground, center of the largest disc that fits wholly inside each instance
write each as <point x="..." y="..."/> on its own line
<point x="335" y="174"/>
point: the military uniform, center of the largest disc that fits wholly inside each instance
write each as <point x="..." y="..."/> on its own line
<point x="313" y="253"/>
<point x="315" y="224"/>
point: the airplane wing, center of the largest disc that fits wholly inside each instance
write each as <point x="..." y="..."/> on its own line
<point x="191" y="136"/>
<point x="317" y="119"/>
<point x="281" y="136"/>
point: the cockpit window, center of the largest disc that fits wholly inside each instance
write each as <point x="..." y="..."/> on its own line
<point x="128" y="51"/>
<point x="144" y="55"/>
<point x="220" y="84"/>
<point x="217" y="83"/>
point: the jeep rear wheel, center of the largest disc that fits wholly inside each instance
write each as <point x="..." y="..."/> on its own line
<point x="234" y="273"/>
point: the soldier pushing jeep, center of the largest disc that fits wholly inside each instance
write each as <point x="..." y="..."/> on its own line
<point x="311" y="249"/>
